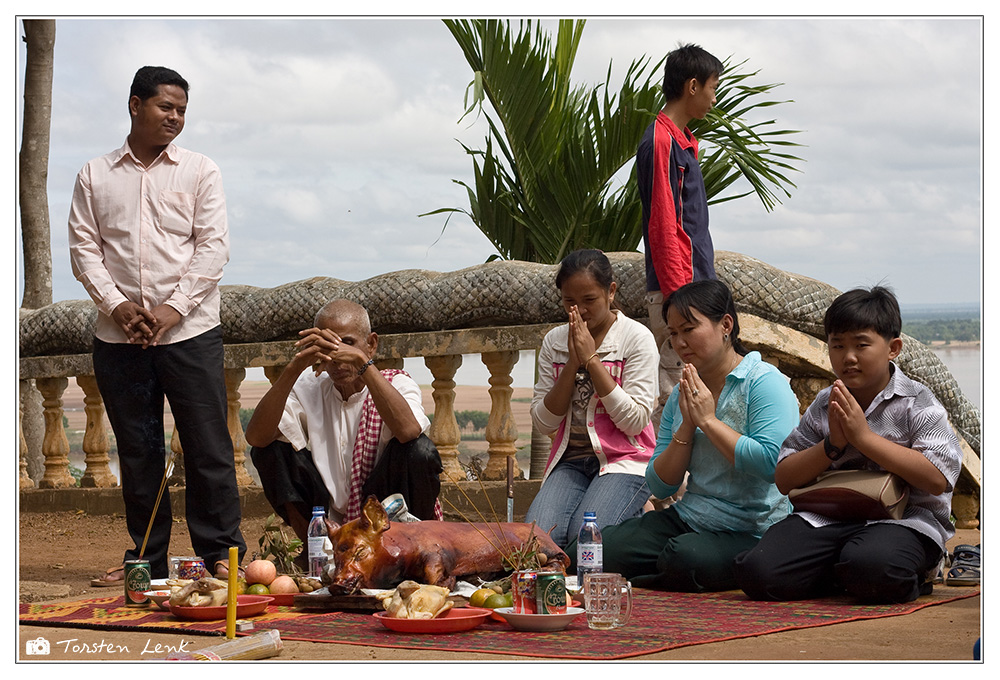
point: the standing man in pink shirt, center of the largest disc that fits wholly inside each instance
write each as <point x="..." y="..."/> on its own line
<point x="148" y="239"/>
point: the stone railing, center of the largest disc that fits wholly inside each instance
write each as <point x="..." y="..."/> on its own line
<point x="499" y="348"/>
<point x="801" y="357"/>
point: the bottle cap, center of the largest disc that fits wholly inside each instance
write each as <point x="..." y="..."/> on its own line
<point x="589" y="515"/>
<point x="319" y="510"/>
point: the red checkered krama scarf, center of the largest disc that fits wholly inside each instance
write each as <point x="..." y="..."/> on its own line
<point x="366" y="451"/>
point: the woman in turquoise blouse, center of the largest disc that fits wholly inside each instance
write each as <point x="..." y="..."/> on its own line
<point x="722" y="427"/>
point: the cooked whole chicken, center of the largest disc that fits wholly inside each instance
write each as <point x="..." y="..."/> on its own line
<point x="411" y="600"/>
<point x="206" y="592"/>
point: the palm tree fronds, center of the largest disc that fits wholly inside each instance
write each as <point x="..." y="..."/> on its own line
<point x="547" y="181"/>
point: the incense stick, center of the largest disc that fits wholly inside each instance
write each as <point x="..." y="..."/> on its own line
<point x="156" y="506"/>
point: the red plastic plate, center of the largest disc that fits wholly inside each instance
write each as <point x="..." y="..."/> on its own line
<point x="283" y="599"/>
<point x="452" y="621"/>
<point x="246" y="605"/>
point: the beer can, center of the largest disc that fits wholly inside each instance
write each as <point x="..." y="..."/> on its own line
<point x="524" y="589"/>
<point x="550" y="593"/>
<point x="136" y="583"/>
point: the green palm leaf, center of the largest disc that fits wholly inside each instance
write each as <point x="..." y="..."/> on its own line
<point x="545" y="184"/>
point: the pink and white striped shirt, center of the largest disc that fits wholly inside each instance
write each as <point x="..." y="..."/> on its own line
<point x="153" y="235"/>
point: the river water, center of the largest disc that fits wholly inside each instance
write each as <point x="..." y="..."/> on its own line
<point x="965" y="364"/>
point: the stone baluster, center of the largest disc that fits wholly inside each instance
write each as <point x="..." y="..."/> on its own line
<point x="390" y="362"/>
<point x="444" y="431"/>
<point x="24" y="479"/>
<point x="95" y="438"/>
<point x="541" y="444"/>
<point x="501" y="429"/>
<point x="234" y="378"/>
<point x="178" y="477"/>
<point x="965" y="507"/>
<point x="55" y="446"/>
<point x="272" y="372"/>
<point x="806" y="388"/>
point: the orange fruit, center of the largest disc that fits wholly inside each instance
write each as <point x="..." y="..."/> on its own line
<point x="478" y="598"/>
<point x="258" y="589"/>
<point x="496" y="601"/>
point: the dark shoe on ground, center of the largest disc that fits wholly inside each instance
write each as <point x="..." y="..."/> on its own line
<point x="966" y="563"/>
<point x="115" y="576"/>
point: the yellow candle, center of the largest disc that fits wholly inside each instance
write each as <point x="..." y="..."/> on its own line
<point x="231" y="595"/>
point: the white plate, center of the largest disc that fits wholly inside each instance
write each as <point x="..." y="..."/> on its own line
<point x="159" y="584"/>
<point x="539" y="622"/>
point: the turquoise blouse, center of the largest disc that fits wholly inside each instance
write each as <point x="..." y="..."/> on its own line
<point x="758" y="403"/>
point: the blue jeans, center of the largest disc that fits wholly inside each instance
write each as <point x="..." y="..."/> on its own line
<point x="574" y="487"/>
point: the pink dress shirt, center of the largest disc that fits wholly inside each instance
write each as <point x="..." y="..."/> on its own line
<point x="155" y="235"/>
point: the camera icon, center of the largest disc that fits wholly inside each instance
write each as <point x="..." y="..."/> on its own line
<point x="38" y="646"/>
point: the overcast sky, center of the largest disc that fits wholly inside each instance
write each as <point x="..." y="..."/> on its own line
<point x="333" y="135"/>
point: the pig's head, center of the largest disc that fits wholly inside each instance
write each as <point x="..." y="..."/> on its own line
<point x="357" y="548"/>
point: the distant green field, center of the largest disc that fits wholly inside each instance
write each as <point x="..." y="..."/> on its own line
<point x="942" y="322"/>
<point x="943" y="330"/>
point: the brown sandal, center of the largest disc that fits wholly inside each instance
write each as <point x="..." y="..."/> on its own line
<point x="115" y="576"/>
<point x="222" y="569"/>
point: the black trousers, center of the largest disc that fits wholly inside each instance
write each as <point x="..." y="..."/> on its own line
<point x="660" y="551"/>
<point x="412" y="469"/>
<point x="189" y="374"/>
<point x="876" y="563"/>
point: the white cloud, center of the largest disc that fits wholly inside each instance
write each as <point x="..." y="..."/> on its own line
<point x="334" y="134"/>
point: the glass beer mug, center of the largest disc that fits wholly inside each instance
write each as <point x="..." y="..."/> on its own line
<point x="604" y="595"/>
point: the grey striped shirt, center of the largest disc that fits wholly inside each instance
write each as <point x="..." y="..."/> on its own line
<point x="907" y="413"/>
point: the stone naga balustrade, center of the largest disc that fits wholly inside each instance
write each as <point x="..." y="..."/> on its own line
<point x="443" y="352"/>
<point x="468" y="312"/>
<point x="801" y="357"/>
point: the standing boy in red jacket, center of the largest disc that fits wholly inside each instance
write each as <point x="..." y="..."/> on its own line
<point x="674" y="203"/>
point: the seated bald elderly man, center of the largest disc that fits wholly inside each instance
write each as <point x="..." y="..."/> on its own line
<point x="333" y="428"/>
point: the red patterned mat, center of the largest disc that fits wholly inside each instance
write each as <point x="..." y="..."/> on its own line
<point x="660" y="621"/>
<point x="110" y="613"/>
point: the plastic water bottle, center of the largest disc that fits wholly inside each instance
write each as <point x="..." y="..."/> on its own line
<point x="589" y="549"/>
<point x="317" y="537"/>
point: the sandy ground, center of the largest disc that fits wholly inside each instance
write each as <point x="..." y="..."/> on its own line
<point x="66" y="550"/>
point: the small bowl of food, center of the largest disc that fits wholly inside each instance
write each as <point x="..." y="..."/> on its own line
<point x="160" y="597"/>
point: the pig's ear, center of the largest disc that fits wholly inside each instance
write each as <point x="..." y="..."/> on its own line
<point x="375" y="515"/>
<point x="331" y="526"/>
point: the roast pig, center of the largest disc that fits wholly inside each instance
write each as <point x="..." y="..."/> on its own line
<point x="372" y="552"/>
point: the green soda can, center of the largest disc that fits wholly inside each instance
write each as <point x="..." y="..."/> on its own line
<point x="550" y="593"/>
<point x="136" y="583"/>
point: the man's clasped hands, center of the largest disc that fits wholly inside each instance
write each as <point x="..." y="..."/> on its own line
<point x="145" y="326"/>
